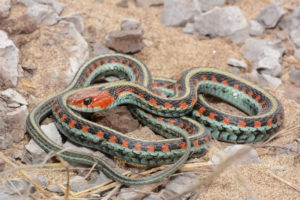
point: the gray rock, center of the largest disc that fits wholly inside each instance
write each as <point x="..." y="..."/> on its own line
<point x="78" y="183"/>
<point x="43" y="14"/>
<point x="183" y="183"/>
<point x="148" y="3"/>
<point x="74" y="147"/>
<point x="18" y="186"/>
<point x="179" y="12"/>
<point x="12" y="96"/>
<point x="255" y="28"/>
<point x="56" y="189"/>
<point x="188" y="29"/>
<point x="9" y="59"/>
<point x="225" y="22"/>
<point x="56" y="6"/>
<point x="128" y="194"/>
<point x="125" y="41"/>
<point x="41" y="180"/>
<point x="292" y="21"/>
<point x="236" y="63"/>
<point x="270" y="16"/>
<point x="250" y="157"/>
<point x="272" y="82"/>
<point x="289" y="149"/>
<point x="13" y="105"/>
<point x="6" y="141"/>
<point x="152" y="197"/>
<point x="207" y="5"/>
<point x="76" y="20"/>
<point x="17" y="122"/>
<point x="5" y="8"/>
<point x="295" y="76"/>
<point x="130" y="24"/>
<point x="269" y="65"/>
<point x="99" y="49"/>
<point x="97" y="179"/>
<point x="295" y="37"/>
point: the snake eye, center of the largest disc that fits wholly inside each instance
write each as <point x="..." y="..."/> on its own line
<point x="87" y="101"/>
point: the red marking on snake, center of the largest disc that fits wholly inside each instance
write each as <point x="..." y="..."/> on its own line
<point x="138" y="147"/>
<point x="212" y="116"/>
<point x="55" y="106"/>
<point x="88" y="72"/>
<point x="72" y="123"/>
<point x="93" y="67"/>
<point x="127" y="63"/>
<point x="149" y="114"/>
<point x="98" y="63"/>
<point x="112" y="139"/>
<point x="124" y="143"/>
<point x="113" y="60"/>
<point x="105" y="61"/>
<point x="262" y="103"/>
<point x="168" y="105"/>
<point x="165" y="85"/>
<point x="269" y="122"/>
<point x="278" y="118"/>
<point x="244" y="90"/>
<point x="195" y="143"/>
<point x="141" y="95"/>
<point x="172" y="122"/>
<point x="257" y="98"/>
<point x="204" y="78"/>
<point x="153" y="102"/>
<point x="160" y="118"/>
<point x="150" y="148"/>
<point x="100" y="134"/>
<point x="85" y="129"/>
<point x="57" y="112"/>
<point x="201" y="110"/>
<point x="63" y="117"/>
<point x="226" y="120"/>
<point x="165" y="148"/>
<point x="178" y="85"/>
<point x="121" y="61"/>
<point x="137" y="74"/>
<point x="129" y="90"/>
<point x="193" y="100"/>
<point x="257" y="124"/>
<point x="225" y="82"/>
<point x="250" y="93"/>
<point x="154" y="84"/>
<point x="183" y="104"/>
<point x="180" y="125"/>
<point x="183" y="145"/>
<point x="236" y="86"/>
<point x="214" y="79"/>
<point x="133" y="67"/>
<point x="242" y="123"/>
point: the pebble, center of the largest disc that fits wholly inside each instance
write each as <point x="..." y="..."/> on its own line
<point x="179" y="12"/>
<point x="12" y="96"/>
<point x="255" y="28"/>
<point x="99" y="49"/>
<point x="236" y="63"/>
<point x="295" y="76"/>
<point x="130" y="24"/>
<point x="292" y="22"/>
<point x="128" y="194"/>
<point x="250" y="157"/>
<point x="5" y="6"/>
<point x="270" y="16"/>
<point x="188" y="29"/>
<point x="233" y="23"/>
<point x="270" y="66"/>
<point x="9" y="59"/>
<point x="273" y="82"/>
<point x="148" y="3"/>
<point x="78" y="183"/>
<point x="43" y="14"/>
<point x="76" y="19"/>
<point x="295" y="37"/>
<point x="290" y="149"/>
<point x="18" y="186"/>
<point x="207" y="5"/>
<point x="17" y="123"/>
<point x="152" y="197"/>
<point x="182" y="183"/>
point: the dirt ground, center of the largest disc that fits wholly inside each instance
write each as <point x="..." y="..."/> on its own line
<point x="171" y="53"/>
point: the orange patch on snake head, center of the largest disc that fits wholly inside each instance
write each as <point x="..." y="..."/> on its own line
<point x="91" y="98"/>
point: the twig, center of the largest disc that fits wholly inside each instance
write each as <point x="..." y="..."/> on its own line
<point x="112" y="192"/>
<point x="285" y="181"/>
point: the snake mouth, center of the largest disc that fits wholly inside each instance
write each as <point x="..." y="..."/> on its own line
<point x="90" y="100"/>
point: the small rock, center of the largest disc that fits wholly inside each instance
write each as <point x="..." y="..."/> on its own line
<point x="2" y="165"/>
<point x="225" y="22"/>
<point x="290" y="149"/>
<point x="270" y="16"/>
<point x="295" y="37"/>
<point x="78" y="183"/>
<point x="236" y="63"/>
<point x="130" y="24"/>
<point x="125" y="41"/>
<point x="12" y="96"/>
<point x="56" y="189"/>
<point x="6" y="141"/>
<point x="255" y="28"/>
<point x="5" y="6"/>
<point x="292" y="21"/>
<point x="123" y="4"/>
<point x="17" y="186"/>
<point x="18" y="26"/>
<point x="250" y="157"/>
<point x="179" y="12"/>
<point x="9" y="59"/>
<point x="13" y="105"/>
<point x="17" y="122"/>
<point x="273" y="83"/>
<point x="41" y="180"/>
<point x="235" y="70"/>
<point x="76" y="20"/>
<point x="147" y="43"/>
<point x="128" y="194"/>
<point x="207" y="5"/>
<point x="152" y="197"/>
<point x="97" y="179"/>
<point x="183" y="183"/>
<point x="270" y="66"/>
<point x="99" y="49"/>
<point x="188" y="29"/>
<point x="43" y="14"/>
<point x="295" y="76"/>
<point x="57" y="6"/>
<point x="73" y="146"/>
<point x="148" y="3"/>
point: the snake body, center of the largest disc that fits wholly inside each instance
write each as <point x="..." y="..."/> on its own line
<point x="164" y="115"/>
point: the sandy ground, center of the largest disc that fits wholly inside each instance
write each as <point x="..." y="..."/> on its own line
<point x="171" y="53"/>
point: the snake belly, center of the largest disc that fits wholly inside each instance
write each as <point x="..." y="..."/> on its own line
<point x="85" y="76"/>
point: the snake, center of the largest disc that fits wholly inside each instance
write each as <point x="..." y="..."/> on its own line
<point x="179" y="117"/>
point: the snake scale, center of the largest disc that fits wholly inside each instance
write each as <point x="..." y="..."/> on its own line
<point x="179" y="117"/>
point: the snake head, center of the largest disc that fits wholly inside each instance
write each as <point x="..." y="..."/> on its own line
<point x="90" y="100"/>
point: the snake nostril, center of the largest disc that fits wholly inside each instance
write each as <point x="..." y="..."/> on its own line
<point x="87" y="101"/>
